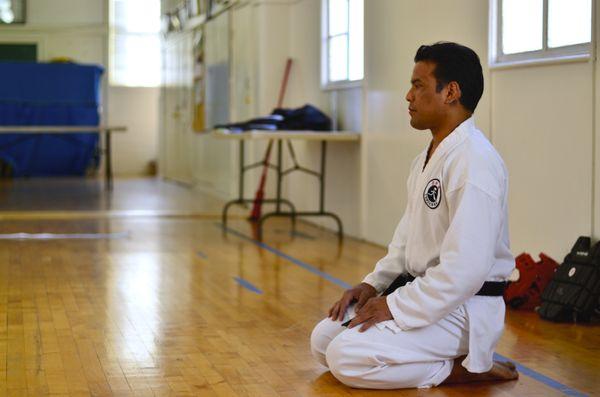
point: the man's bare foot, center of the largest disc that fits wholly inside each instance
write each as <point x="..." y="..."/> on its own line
<point x="504" y="371"/>
<point x="501" y="371"/>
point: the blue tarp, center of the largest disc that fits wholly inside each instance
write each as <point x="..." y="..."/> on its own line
<point x="49" y="94"/>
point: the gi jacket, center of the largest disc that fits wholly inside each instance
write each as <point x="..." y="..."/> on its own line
<point x="453" y="236"/>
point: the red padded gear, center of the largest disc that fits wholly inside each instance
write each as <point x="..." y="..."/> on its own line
<point x="534" y="277"/>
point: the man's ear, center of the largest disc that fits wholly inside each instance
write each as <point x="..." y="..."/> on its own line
<point x="453" y="92"/>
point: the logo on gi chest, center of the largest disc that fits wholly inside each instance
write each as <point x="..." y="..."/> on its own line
<point x="433" y="193"/>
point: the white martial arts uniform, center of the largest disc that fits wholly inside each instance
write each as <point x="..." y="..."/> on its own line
<point x="453" y="237"/>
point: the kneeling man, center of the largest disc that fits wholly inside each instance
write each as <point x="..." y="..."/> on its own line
<point x="441" y="317"/>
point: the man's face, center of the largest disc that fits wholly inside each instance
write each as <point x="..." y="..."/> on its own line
<point x="426" y="106"/>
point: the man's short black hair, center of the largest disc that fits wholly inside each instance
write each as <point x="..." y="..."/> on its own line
<point x="455" y="62"/>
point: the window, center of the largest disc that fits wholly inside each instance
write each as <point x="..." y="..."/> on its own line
<point x="525" y="31"/>
<point x="12" y="11"/>
<point x="342" y="49"/>
<point x="135" y="43"/>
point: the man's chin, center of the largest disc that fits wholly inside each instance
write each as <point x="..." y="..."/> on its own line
<point x="416" y="125"/>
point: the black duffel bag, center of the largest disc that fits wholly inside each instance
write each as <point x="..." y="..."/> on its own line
<point x="573" y="292"/>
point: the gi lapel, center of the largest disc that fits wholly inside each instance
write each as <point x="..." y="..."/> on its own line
<point x="457" y="136"/>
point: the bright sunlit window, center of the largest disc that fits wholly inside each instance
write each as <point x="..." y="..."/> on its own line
<point x="135" y="43"/>
<point x="12" y="11"/>
<point x="533" y="30"/>
<point x="342" y="52"/>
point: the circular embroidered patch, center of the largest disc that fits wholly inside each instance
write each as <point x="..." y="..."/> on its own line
<point x="433" y="193"/>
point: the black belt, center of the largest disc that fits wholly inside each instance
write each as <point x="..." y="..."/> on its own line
<point x="489" y="288"/>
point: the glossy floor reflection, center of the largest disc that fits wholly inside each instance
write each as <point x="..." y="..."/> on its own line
<point x="161" y="313"/>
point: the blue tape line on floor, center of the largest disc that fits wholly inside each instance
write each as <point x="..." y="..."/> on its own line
<point x="295" y="261"/>
<point x="541" y="378"/>
<point x="201" y="255"/>
<point x="246" y="284"/>
<point x="521" y="368"/>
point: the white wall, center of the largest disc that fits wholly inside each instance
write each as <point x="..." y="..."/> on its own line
<point x="65" y="12"/>
<point x="542" y="126"/>
<point x="138" y="109"/>
<point x="78" y="29"/>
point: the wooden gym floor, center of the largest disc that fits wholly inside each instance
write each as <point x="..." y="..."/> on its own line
<point x="175" y="305"/>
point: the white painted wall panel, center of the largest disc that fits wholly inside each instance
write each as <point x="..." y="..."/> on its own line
<point x="543" y="130"/>
<point x="80" y="46"/>
<point x="65" y="12"/>
<point x="138" y="109"/>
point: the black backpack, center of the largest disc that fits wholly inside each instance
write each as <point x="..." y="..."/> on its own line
<point x="573" y="292"/>
<point x="306" y="117"/>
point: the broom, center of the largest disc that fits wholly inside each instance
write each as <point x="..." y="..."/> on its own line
<point x="260" y="192"/>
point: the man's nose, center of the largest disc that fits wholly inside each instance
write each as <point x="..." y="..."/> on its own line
<point x="409" y="96"/>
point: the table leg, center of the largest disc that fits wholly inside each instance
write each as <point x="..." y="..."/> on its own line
<point x="279" y="175"/>
<point x="322" y="177"/>
<point x="108" y="164"/>
<point x="241" y="181"/>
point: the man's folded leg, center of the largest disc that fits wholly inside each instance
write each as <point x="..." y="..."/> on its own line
<point x="324" y="332"/>
<point x="385" y="357"/>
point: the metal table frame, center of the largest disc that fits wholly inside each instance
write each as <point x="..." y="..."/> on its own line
<point x="278" y="200"/>
<point x="70" y="129"/>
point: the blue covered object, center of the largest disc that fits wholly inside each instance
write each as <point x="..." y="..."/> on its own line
<point x="49" y="94"/>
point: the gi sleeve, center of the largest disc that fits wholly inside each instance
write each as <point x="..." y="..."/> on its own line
<point x="466" y="258"/>
<point x="393" y="264"/>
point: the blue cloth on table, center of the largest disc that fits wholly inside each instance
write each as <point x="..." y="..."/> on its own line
<point x="45" y="83"/>
<point x="49" y="94"/>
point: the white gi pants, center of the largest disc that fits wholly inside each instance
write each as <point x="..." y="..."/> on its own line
<point x="386" y="357"/>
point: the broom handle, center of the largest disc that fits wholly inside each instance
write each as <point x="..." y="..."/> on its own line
<point x="284" y="82"/>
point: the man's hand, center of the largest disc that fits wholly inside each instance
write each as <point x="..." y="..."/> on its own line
<point x="374" y="311"/>
<point x="360" y="293"/>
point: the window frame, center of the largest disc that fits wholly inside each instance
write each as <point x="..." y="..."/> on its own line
<point x="327" y="84"/>
<point x="570" y="53"/>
